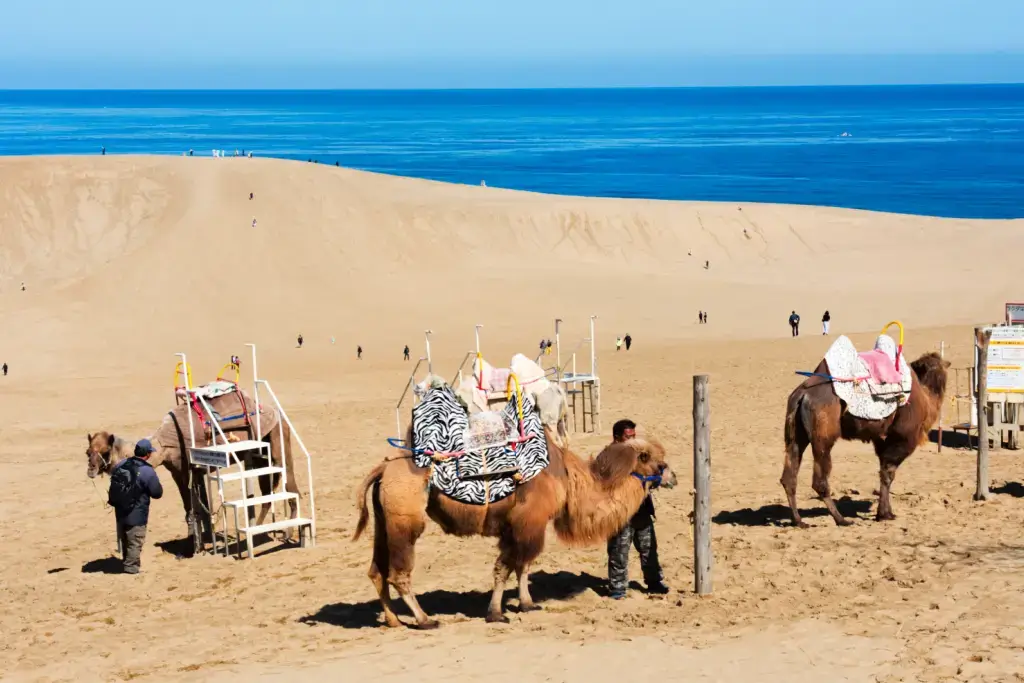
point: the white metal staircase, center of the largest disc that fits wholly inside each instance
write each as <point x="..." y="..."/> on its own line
<point x="225" y="463"/>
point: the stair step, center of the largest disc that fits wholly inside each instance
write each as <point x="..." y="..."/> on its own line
<point x="277" y="526"/>
<point x="260" y="500"/>
<point x="235" y="446"/>
<point x="246" y="474"/>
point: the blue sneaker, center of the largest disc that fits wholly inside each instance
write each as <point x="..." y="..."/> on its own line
<point x="617" y="595"/>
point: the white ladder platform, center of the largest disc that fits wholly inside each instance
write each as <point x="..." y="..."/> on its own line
<point x="246" y="474"/>
<point x="261" y="500"/>
<point x="235" y="446"/>
<point x="277" y="526"/>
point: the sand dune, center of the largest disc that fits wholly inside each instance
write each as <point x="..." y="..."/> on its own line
<point x="127" y="260"/>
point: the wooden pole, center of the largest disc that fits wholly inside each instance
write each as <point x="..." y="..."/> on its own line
<point x="702" y="486"/>
<point x="942" y="354"/>
<point x="981" y="340"/>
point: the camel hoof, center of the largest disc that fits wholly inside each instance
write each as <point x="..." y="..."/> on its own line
<point x="428" y="625"/>
<point x="844" y="522"/>
<point x="800" y="524"/>
<point x="497" y="619"/>
<point x="531" y="607"/>
<point x="392" y="622"/>
<point x="885" y="518"/>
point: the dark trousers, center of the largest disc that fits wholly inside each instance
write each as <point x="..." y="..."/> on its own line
<point x="640" y="534"/>
<point x="796" y="329"/>
<point x="132" y="540"/>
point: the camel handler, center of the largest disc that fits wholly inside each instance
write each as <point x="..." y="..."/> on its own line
<point x="640" y="532"/>
<point x="132" y="484"/>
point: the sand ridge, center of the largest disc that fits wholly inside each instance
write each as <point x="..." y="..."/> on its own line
<point x="129" y="259"/>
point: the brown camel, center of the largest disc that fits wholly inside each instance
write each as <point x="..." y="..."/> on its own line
<point x="588" y="502"/>
<point x="172" y="439"/>
<point x="816" y="416"/>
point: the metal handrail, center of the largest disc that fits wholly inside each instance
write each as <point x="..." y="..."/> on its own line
<point x="405" y="392"/>
<point x="309" y="459"/>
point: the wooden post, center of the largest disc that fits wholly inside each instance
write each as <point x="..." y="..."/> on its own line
<point x="981" y="340"/>
<point x="942" y="407"/>
<point x="702" y="486"/>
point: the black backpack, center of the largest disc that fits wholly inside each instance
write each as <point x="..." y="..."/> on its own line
<point x="124" y="485"/>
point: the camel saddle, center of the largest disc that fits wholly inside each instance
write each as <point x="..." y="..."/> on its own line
<point x="873" y="384"/>
<point x="476" y="459"/>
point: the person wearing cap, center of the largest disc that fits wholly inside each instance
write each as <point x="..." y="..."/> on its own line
<point x="133" y="516"/>
<point x="639" y="532"/>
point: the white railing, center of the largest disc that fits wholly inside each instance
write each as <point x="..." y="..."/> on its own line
<point x="305" y="451"/>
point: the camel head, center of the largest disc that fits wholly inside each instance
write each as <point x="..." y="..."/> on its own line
<point x="100" y="454"/>
<point x="642" y="458"/>
<point x="932" y="372"/>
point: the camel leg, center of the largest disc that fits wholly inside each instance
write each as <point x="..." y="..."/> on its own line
<point x="526" y="603"/>
<point x="822" y="471"/>
<point x="796" y="443"/>
<point x="495" y="611"/>
<point x="403" y="528"/>
<point x="886" y="474"/>
<point x="380" y="565"/>
<point x="181" y="480"/>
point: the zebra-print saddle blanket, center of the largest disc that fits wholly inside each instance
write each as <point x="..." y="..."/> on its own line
<point x="485" y="474"/>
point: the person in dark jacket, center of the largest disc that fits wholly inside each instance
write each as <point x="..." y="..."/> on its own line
<point x="640" y="533"/>
<point x="133" y="515"/>
<point x="794" y="324"/>
<point x="628" y="341"/>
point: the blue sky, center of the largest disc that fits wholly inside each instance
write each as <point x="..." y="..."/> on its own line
<point x="514" y="43"/>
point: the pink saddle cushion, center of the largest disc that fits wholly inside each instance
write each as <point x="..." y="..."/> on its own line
<point x="881" y="368"/>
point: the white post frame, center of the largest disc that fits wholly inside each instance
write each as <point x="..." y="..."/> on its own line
<point x="255" y="394"/>
<point x="558" y="350"/>
<point x="593" y="348"/>
<point x="430" y="364"/>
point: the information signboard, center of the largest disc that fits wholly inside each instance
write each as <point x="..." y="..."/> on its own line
<point x="1015" y="313"/>
<point x="1005" y="360"/>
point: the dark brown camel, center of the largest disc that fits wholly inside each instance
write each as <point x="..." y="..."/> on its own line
<point x="815" y="416"/>
<point x="588" y="501"/>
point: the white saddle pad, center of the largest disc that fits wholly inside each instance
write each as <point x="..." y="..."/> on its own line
<point x="864" y="396"/>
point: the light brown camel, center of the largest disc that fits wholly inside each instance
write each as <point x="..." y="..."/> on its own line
<point x="815" y="416"/>
<point x="587" y="500"/>
<point x="172" y="439"/>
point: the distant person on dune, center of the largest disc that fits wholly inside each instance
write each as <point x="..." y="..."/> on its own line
<point x="618" y="343"/>
<point x="5" y="369"/>
<point x="825" y="321"/>
<point x="405" y="352"/>
<point x="250" y="196"/>
<point x="794" y="324"/>
<point x="300" y="341"/>
<point x="359" y="352"/>
<point x="628" y="341"/>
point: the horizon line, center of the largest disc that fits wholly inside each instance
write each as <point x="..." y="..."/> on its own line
<point x="790" y="86"/>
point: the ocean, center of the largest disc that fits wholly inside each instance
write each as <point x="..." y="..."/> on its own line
<point x="931" y="150"/>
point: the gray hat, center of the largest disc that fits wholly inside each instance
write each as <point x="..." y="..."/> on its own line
<point x="143" y="448"/>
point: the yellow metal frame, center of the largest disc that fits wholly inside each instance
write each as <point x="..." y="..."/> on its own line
<point x="187" y="374"/>
<point x="229" y="366"/>
<point x="898" y="324"/>
<point x="519" y="394"/>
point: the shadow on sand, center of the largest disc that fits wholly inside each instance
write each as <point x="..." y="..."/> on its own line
<point x="951" y="439"/>
<point x="779" y="515"/>
<point x="106" y="565"/>
<point x="544" y="586"/>
<point x="1010" y="488"/>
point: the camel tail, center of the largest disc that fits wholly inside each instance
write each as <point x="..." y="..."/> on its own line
<point x="364" y="513"/>
<point x="793" y="425"/>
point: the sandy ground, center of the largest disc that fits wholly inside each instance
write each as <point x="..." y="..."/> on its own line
<point x="128" y="260"/>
